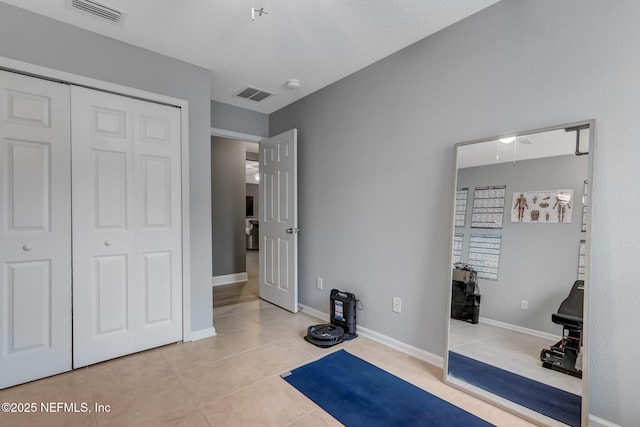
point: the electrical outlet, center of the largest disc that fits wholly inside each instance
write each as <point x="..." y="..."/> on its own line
<point x="524" y="304"/>
<point x="397" y="304"/>
<point x="319" y="282"/>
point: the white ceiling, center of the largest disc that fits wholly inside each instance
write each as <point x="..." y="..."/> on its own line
<point x="315" y="41"/>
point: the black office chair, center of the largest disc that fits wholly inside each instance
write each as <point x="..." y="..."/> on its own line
<point x="562" y="355"/>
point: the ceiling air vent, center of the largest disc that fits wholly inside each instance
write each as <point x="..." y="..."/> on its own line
<point x="253" y="94"/>
<point x="98" y="9"/>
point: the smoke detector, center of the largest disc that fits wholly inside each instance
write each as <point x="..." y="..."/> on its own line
<point x="293" y="83"/>
<point x="99" y="9"/>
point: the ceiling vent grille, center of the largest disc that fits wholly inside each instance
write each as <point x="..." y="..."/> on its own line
<point x="98" y="9"/>
<point x="254" y="94"/>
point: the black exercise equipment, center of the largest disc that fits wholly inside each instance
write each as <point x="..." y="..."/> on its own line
<point x="465" y="294"/>
<point x="562" y="356"/>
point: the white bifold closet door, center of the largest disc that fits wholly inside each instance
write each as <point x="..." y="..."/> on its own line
<point x="127" y="256"/>
<point x="35" y="229"/>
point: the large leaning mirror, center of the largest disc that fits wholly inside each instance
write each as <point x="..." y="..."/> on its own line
<point x="519" y="259"/>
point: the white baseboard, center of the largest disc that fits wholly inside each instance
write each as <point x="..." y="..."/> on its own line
<point x="517" y="328"/>
<point x="383" y="339"/>
<point x="313" y="312"/>
<point x="416" y="352"/>
<point x="599" y="422"/>
<point x="229" y="278"/>
<point x="203" y="333"/>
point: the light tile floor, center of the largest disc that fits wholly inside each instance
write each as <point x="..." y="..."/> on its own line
<point x="232" y="379"/>
<point x="510" y="350"/>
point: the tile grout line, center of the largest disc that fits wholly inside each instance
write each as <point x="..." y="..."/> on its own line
<point x="185" y="391"/>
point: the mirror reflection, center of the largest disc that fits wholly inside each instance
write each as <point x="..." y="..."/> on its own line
<point x="519" y="267"/>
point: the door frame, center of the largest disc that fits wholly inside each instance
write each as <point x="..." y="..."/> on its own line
<point x="247" y="137"/>
<point x="47" y="73"/>
<point x="244" y="137"/>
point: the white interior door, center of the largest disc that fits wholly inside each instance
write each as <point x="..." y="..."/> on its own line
<point x="35" y="229"/>
<point x="279" y="220"/>
<point x="127" y="258"/>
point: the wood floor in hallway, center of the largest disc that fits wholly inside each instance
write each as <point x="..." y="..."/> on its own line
<point x="236" y="293"/>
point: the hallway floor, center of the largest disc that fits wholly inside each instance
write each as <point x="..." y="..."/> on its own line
<point x="236" y="293"/>
<point x="232" y="379"/>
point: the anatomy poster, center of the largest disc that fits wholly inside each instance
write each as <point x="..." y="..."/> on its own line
<point x="488" y="206"/>
<point x="547" y="206"/>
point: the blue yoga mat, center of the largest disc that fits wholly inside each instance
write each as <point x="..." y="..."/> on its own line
<point x="359" y="394"/>
<point x="542" y="398"/>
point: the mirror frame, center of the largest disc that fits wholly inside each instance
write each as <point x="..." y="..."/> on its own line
<point x="482" y="394"/>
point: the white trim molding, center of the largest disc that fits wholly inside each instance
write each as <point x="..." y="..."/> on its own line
<point x="517" y="328"/>
<point x="313" y="312"/>
<point x="599" y="422"/>
<point x="33" y="70"/>
<point x="203" y="333"/>
<point x="416" y="352"/>
<point x="236" y="135"/>
<point x="229" y="278"/>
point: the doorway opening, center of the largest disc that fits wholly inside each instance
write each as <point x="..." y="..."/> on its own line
<point x="235" y="214"/>
<point x="278" y="223"/>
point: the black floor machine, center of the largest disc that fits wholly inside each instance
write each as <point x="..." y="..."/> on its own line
<point x="343" y="321"/>
<point x="562" y="356"/>
<point x="465" y="293"/>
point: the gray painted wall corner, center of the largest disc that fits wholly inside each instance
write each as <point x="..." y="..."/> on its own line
<point x="236" y="119"/>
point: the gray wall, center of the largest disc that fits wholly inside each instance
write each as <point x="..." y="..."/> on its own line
<point x="253" y="190"/>
<point x="228" y="206"/>
<point x="236" y="119"/>
<point x="376" y="153"/>
<point x="538" y="262"/>
<point x="38" y="40"/>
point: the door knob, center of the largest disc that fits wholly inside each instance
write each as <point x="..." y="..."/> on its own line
<point x="108" y="242"/>
<point x="27" y="247"/>
<point x="292" y="230"/>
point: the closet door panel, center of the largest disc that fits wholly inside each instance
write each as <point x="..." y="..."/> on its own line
<point x="29" y="286"/>
<point x="158" y="289"/>
<point x="112" y="294"/>
<point x="156" y="190"/>
<point x="35" y="229"/>
<point x="127" y="232"/>
<point x="28" y="180"/>
<point x="110" y="189"/>
<point x="158" y="221"/>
